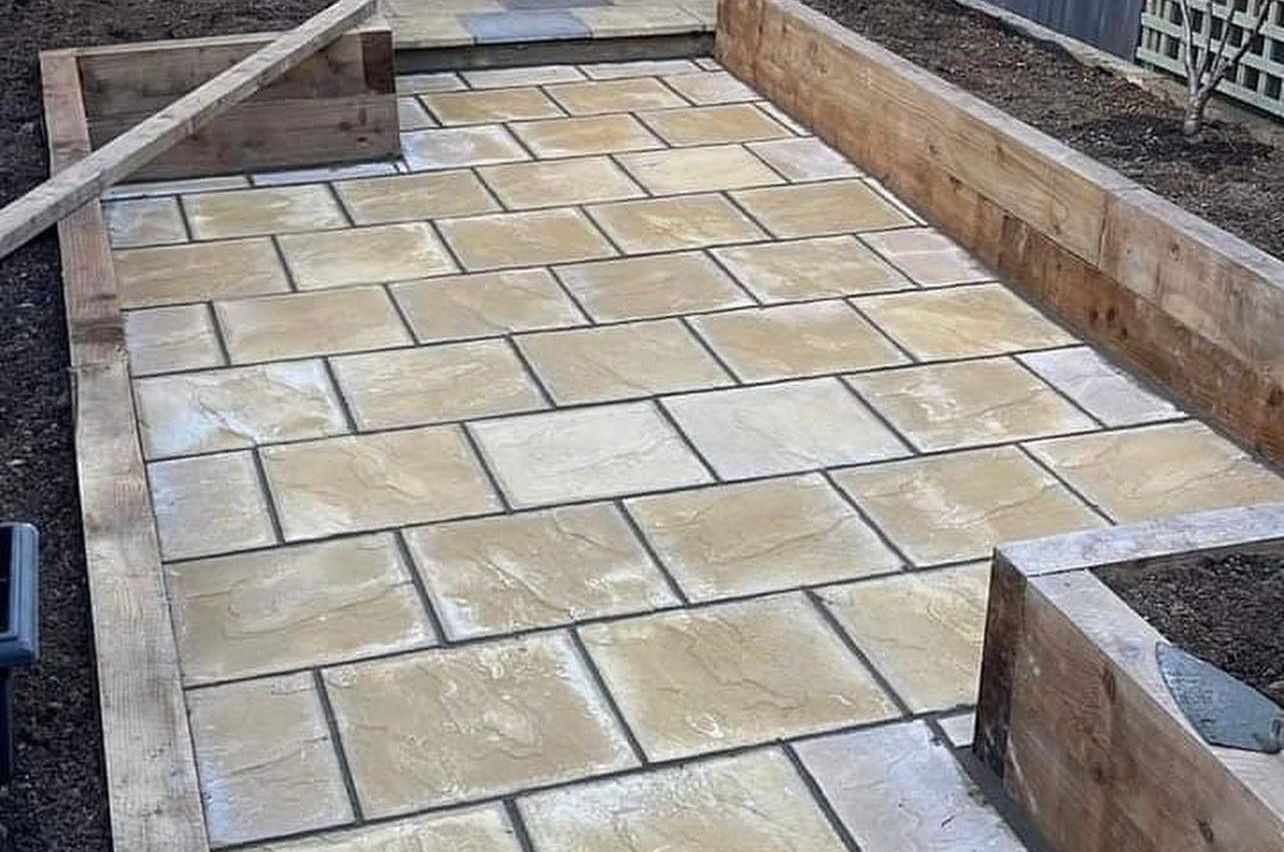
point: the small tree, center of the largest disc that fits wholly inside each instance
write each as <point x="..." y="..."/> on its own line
<point x="1206" y="65"/>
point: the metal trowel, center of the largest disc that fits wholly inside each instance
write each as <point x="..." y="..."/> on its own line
<point x="1225" y="711"/>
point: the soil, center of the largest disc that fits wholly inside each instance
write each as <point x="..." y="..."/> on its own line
<point x="1226" y="611"/>
<point x="1226" y="176"/>
<point x="57" y="800"/>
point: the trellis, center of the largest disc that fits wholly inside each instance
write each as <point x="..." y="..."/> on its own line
<point x="1259" y="77"/>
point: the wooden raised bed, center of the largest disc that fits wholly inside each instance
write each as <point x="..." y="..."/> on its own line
<point x="1196" y="309"/>
<point x="1074" y="715"/>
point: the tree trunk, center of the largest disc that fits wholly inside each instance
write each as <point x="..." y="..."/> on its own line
<point x="1194" y="121"/>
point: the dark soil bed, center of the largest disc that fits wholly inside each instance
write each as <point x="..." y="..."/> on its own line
<point x="56" y="801"/>
<point x="1226" y="177"/>
<point x="1227" y="611"/>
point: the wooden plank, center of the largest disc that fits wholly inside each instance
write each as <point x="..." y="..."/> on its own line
<point x="89" y="177"/>
<point x="153" y="794"/>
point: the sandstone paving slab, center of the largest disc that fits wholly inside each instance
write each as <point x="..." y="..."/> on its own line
<point x="144" y="222"/>
<point x="930" y="258"/>
<point x="959" y="506"/>
<point x="694" y="681"/>
<point x="236" y="408"/>
<point x="782" y="428"/>
<point x="412" y="387"/>
<point x="406" y="198"/>
<point x="949" y="406"/>
<point x="626" y="95"/>
<point x="524" y="25"/>
<point x="483" y="829"/>
<point x="713" y="125"/>
<point x="209" y="504"/>
<point x="962" y="322"/>
<point x="386" y="479"/>
<point x="817" y="209"/>
<point x="411" y="115"/>
<point x="793" y="341"/>
<point x="641" y="19"/>
<point x="272" y="210"/>
<point x="440" y="81"/>
<point x="303" y="324"/>
<point x="165" y="275"/>
<point x="783" y="118"/>
<point x="959" y="729"/>
<point x="638" y="68"/>
<point x="294" y="607"/>
<point x="176" y="338"/>
<point x="585" y="180"/>
<point x="756" y="537"/>
<point x="589" y="453"/>
<point x="482" y="720"/>
<point x="324" y="174"/>
<point x="277" y="776"/>
<point x="646" y="287"/>
<point x="1106" y="392"/>
<point x="494" y="303"/>
<point x="460" y="147"/>
<point x="365" y="255"/>
<point x="574" y="137"/>
<point x="897" y="787"/>
<point x="152" y="188"/>
<point x="1156" y="471"/>
<point x="700" y="169"/>
<point x="922" y="631"/>
<point x="453" y="108"/>
<point x="802" y="160"/>
<point x="750" y="801"/>
<point x="535" y="569"/>
<point x="534" y="238"/>
<point x="673" y="224"/>
<point x="711" y="87"/>
<point x="530" y="75"/>
<point x="620" y="361"/>
<point x="816" y="268"/>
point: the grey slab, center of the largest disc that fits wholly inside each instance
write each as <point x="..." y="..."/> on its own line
<point x="528" y="25"/>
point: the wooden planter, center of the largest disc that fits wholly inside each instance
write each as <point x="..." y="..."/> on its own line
<point x="1074" y="715"/>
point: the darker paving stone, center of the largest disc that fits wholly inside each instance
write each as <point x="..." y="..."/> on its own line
<point x="529" y="25"/>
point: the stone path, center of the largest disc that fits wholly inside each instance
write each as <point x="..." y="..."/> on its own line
<point x="617" y="471"/>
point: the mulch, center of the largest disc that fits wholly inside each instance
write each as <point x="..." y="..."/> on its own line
<point x="57" y="799"/>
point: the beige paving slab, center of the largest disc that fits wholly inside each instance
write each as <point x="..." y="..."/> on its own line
<point x="535" y="569"/>
<point x="483" y="829"/>
<point x="236" y="408"/>
<point x="209" y="504"/>
<point x="809" y="269"/>
<point x="425" y="30"/>
<point x="1152" y="472"/>
<point x="272" y="210"/>
<point x="712" y="125"/>
<point x="459" y="306"/>
<point x="792" y="341"/>
<point x="324" y="174"/>
<point x="166" y="275"/>
<point x="803" y="160"/>
<point x="962" y="322"/>
<point x="294" y="607"/>
<point x="923" y="631"/>
<point x="638" y="68"/>
<point x="672" y="224"/>
<point x="959" y="506"/>
<point x="530" y="75"/>
<point x="365" y="255"/>
<point x="625" y="21"/>
<point x="644" y="287"/>
<point x="459" y="147"/>
<point x="959" y="729"/>
<point x="897" y="787"/>
<point x="711" y="87"/>
<point x="783" y="118"/>
<point x="816" y="209"/>
<point x="411" y="115"/>
<point x="583" y="180"/>
<point x="486" y="719"/>
<point x="177" y="338"/>
<point x="928" y="257"/>
<point x="535" y="238"/>
<point x="627" y="95"/>
<point x="452" y="108"/>
<point x="621" y="361"/>
<point x="148" y="189"/>
<point x="364" y="482"/>
<point x="412" y="387"/>
<point x="759" y="537"/>
<point x="276" y="776"/>
<point x="303" y="324"/>
<point x="751" y="801"/>
<point x="574" y="137"/>
<point x="441" y="81"/>
<point x="405" y="198"/>
<point x="701" y="169"/>
<point x="949" y="406"/>
<point x="1106" y="392"/>
<point x="144" y="222"/>
<point x="589" y="453"/>
<point x="719" y="677"/>
<point x="782" y="428"/>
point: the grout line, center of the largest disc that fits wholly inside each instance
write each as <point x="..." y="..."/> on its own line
<point x="482" y="463"/>
<point x="1048" y="469"/>
<point x="530" y="371"/>
<point x="818" y="796"/>
<point x="411" y="566"/>
<point x="183" y="218"/>
<point x="406" y="324"/>
<point x="219" y="338"/>
<point x="907" y="564"/>
<point x="339" y="395"/>
<point x="843" y="636"/>
<point x="914" y="448"/>
<point x="711" y="253"/>
<point x="668" y="417"/>
<point x="594" y="672"/>
<point x="338" y="200"/>
<point x="269" y="499"/>
<point x="285" y="266"/>
<point x="332" y="726"/>
<point x="910" y="357"/>
<point x="694" y="331"/>
<point x="589" y="320"/>
<point x="1074" y="403"/>
<point x="651" y="551"/>
<point x="518" y="823"/>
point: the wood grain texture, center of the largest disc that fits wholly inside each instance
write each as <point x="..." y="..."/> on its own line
<point x="153" y="795"/>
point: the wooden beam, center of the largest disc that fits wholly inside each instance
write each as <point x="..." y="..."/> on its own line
<point x="89" y="177"/>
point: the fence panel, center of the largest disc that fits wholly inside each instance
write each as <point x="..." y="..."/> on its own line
<point x="1112" y="25"/>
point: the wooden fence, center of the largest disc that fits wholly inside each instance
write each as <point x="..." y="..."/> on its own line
<point x="1112" y="25"/>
